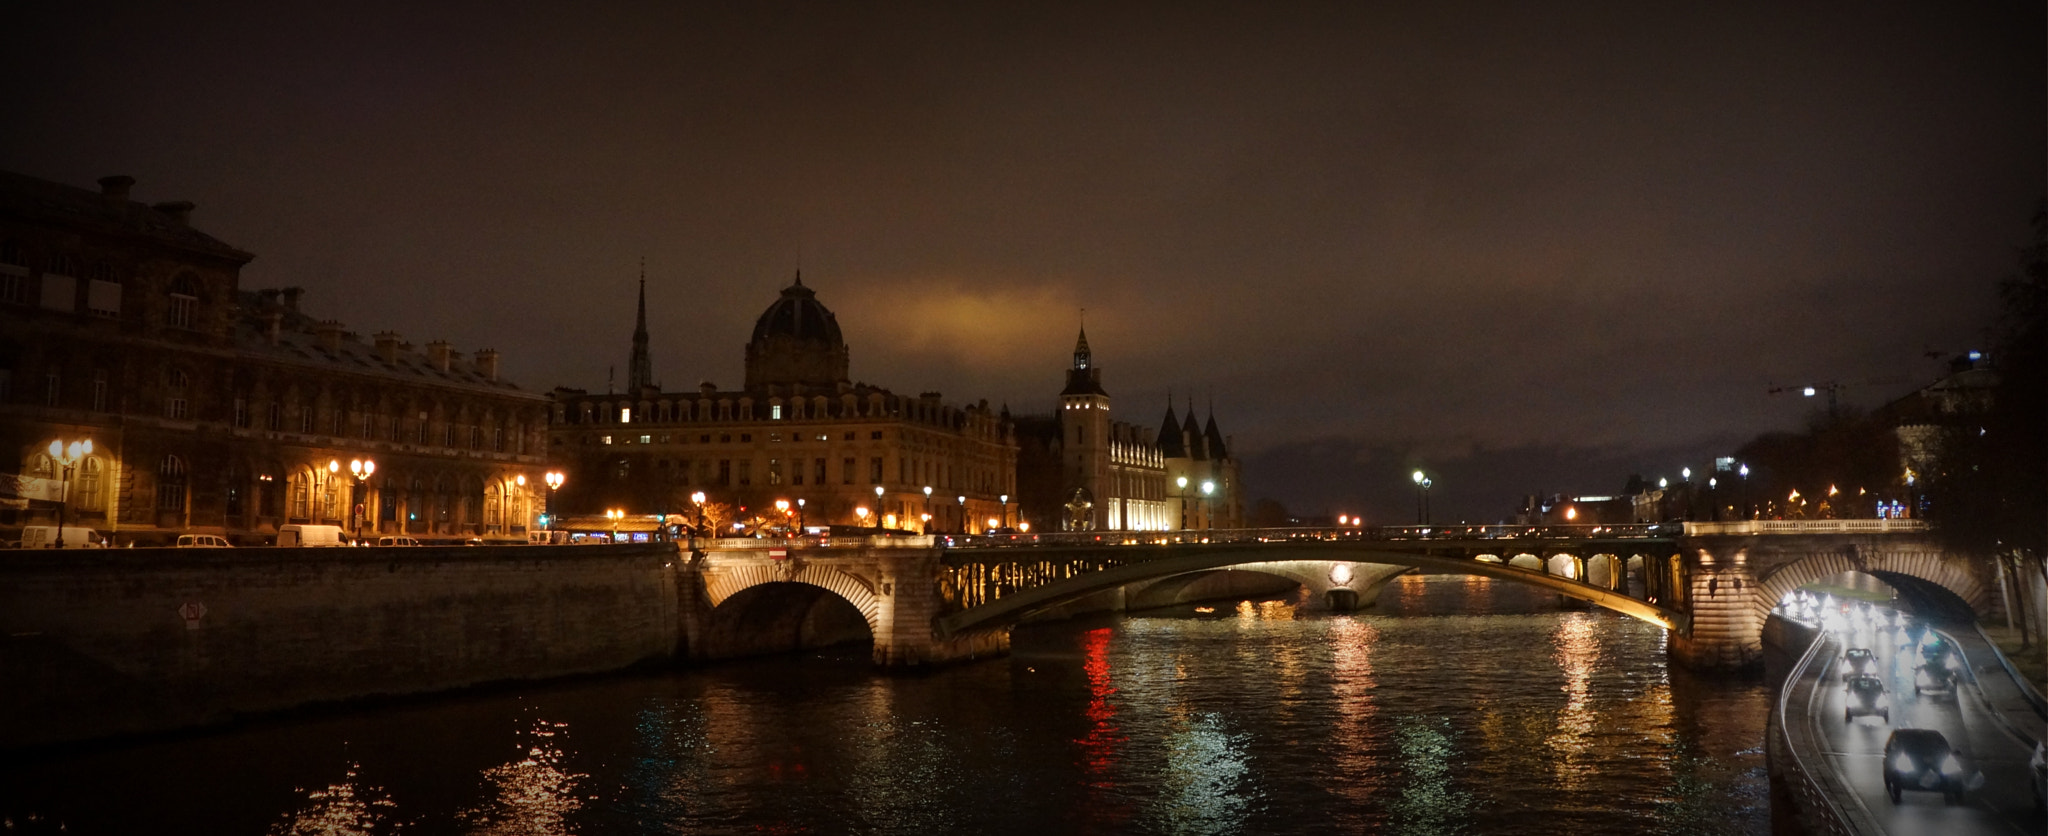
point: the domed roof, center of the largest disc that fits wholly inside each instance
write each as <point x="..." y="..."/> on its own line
<point x="798" y="315"/>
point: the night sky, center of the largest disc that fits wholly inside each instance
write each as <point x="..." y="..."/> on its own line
<point x="1526" y="249"/>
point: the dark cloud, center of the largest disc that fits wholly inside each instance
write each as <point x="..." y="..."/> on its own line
<point x="1600" y="227"/>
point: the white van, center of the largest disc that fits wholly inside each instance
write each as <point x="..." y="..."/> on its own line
<point x="309" y="536"/>
<point x="75" y="537"/>
<point x="203" y="541"/>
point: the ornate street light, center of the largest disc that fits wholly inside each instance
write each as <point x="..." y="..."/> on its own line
<point x="67" y="457"/>
<point x="878" y="507"/>
<point x="1006" y="511"/>
<point x="927" y="518"/>
<point x="361" y="469"/>
<point x="963" y="513"/>
<point x="1420" y="497"/>
<point x="1208" y="509"/>
<point x="800" y="516"/>
<point x="554" y="480"/>
<point x="1182" y="481"/>
<point x="697" y="500"/>
<point x="782" y="507"/>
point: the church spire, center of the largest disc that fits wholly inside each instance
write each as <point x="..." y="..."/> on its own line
<point x="1081" y="356"/>
<point x="640" y="372"/>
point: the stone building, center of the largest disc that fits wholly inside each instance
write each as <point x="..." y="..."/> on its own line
<point x="216" y="410"/>
<point x="797" y="430"/>
<point x="1082" y="470"/>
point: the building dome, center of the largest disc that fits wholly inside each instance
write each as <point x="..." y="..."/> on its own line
<point x="796" y="342"/>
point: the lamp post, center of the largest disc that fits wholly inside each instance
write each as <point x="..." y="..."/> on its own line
<point x="782" y="507"/>
<point x="697" y="500"/>
<point x="614" y="515"/>
<point x="927" y="520"/>
<point x="1005" y="499"/>
<point x="1208" y="508"/>
<point x="361" y="469"/>
<point x="1744" y="472"/>
<point x="67" y="457"/>
<point x="1182" y="481"/>
<point x="878" y="508"/>
<point x="963" y="513"/>
<point x="554" y="480"/>
<point x="800" y="517"/>
<point x="1417" y="477"/>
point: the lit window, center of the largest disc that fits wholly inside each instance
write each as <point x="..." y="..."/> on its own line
<point x="607" y="439"/>
<point x="625" y="415"/>
<point x="775" y="412"/>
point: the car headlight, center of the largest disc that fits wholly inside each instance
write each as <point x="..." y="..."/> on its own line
<point x="1951" y="766"/>
<point x="1954" y="664"/>
<point x="1902" y="762"/>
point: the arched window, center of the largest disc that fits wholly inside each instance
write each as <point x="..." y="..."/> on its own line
<point x="492" y="507"/>
<point x="302" y="494"/>
<point x="184" y="303"/>
<point x="170" y="484"/>
<point x="87" y="497"/>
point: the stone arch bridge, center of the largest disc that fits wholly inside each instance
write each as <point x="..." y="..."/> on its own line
<point x="937" y="599"/>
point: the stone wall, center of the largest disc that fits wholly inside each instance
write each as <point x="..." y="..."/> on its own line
<point x="124" y="641"/>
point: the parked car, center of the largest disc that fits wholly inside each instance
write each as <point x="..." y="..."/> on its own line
<point x="389" y="542"/>
<point x="1863" y="696"/>
<point x="1921" y="760"/>
<point x="75" y="537"/>
<point x="295" y="535"/>
<point x="203" y="541"/>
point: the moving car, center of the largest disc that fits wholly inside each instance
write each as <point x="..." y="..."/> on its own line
<point x="1863" y="696"/>
<point x="1859" y="659"/>
<point x="2037" y="773"/>
<point x="1921" y="760"/>
<point x="1934" y="678"/>
<point x="203" y="541"/>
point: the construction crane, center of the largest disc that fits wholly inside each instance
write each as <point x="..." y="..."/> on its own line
<point x="1833" y="390"/>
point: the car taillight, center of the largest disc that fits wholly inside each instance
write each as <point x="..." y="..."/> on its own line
<point x="1902" y="762"/>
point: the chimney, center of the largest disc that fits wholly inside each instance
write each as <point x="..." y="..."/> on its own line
<point x="387" y="345"/>
<point x="330" y="332"/>
<point x="180" y="211"/>
<point x="115" y="188"/>
<point x="291" y="298"/>
<point x="273" y="326"/>
<point x="266" y="299"/>
<point x="437" y="354"/>
<point x="487" y="363"/>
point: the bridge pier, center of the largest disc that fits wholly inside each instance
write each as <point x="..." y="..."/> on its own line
<point x="907" y="605"/>
<point x="1727" y="633"/>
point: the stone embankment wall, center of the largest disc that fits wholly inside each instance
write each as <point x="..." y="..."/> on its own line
<point x="125" y="641"/>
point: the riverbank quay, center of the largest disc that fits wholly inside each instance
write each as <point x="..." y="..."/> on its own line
<point x="102" y="644"/>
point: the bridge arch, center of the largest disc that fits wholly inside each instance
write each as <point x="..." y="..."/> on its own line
<point x="761" y="609"/>
<point x="1172" y="560"/>
<point x="1907" y="572"/>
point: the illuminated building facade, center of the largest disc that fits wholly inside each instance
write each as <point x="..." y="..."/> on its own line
<point x="1082" y="470"/>
<point x="216" y="410"/>
<point x="797" y="429"/>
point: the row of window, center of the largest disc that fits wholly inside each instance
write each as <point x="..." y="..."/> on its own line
<point x="726" y="473"/>
<point x="392" y="428"/>
<point x="57" y="289"/>
<point x="722" y="410"/>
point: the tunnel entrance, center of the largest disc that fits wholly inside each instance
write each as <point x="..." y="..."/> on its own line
<point x="782" y="617"/>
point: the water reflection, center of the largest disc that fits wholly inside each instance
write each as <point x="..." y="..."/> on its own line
<point x="341" y="809"/>
<point x="1429" y="803"/>
<point x="1577" y="649"/>
<point x="532" y="795"/>
<point x="1354" y="734"/>
<point x="1205" y="783"/>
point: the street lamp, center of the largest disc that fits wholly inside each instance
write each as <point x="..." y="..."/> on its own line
<point x="1421" y="496"/>
<point x="361" y="469"/>
<point x="1182" y="481"/>
<point x="67" y="457"/>
<point x="782" y="507"/>
<point x="800" y="516"/>
<point x="614" y="515"/>
<point x="927" y="518"/>
<point x="878" y="507"/>
<point x="697" y="499"/>
<point x="1744" y="472"/>
<point x="554" y="480"/>
<point x="1005" y="498"/>
<point x="1208" y="509"/>
<point x="963" y="513"/>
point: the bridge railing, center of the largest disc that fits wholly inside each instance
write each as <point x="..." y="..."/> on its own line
<point x="1698" y="529"/>
<point x="1387" y="533"/>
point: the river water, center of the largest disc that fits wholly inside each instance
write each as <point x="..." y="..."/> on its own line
<point x="1460" y="705"/>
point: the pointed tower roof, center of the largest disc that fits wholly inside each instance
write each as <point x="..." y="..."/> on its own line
<point x="1214" y="437"/>
<point x="1084" y="378"/>
<point x="640" y="368"/>
<point x="1172" y="442"/>
<point x="1197" y="448"/>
